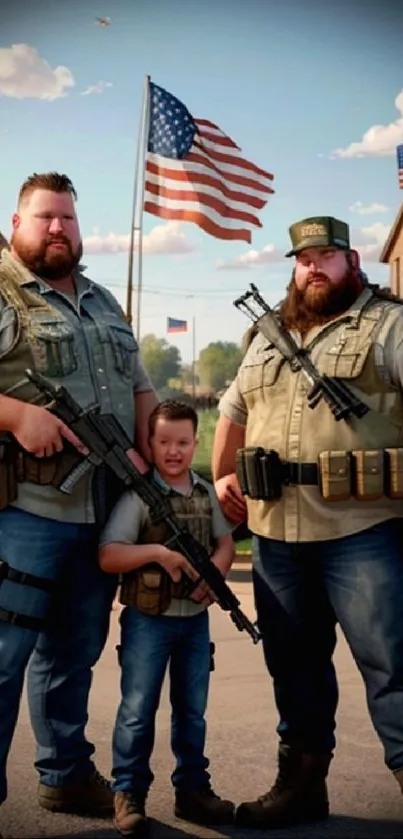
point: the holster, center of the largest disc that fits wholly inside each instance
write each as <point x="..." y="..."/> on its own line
<point x="259" y="473"/>
<point x="8" y="472"/>
<point x="150" y="589"/>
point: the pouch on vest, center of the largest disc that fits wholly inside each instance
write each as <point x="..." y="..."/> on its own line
<point x="47" y="471"/>
<point x="368" y="475"/>
<point x="335" y="475"/>
<point x="394" y="473"/>
<point x="148" y="589"/>
<point x="8" y="472"/>
<point x="259" y="473"/>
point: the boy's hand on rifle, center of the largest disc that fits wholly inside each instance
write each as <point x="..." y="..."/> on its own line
<point x="202" y="594"/>
<point x="176" y="564"/>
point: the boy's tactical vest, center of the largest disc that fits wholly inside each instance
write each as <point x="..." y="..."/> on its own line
<point x="150" y="588"/>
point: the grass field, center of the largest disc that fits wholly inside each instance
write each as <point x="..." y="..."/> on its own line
<point x="202" y="461"/>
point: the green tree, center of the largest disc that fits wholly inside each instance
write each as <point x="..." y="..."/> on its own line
<point x="161" y="360"/>
<point x="218" y="363"/>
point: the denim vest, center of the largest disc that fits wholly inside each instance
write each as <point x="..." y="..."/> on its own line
<point x="86" y="345"/>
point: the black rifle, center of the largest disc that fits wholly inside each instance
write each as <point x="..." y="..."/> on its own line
<point x="108" y="443"/>
<point x="336" y="394"/>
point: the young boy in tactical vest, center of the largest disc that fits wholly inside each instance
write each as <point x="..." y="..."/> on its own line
<point x="161" y="624"/>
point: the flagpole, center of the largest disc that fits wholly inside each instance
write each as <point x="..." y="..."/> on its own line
<point x="194" y="360"/>
<point x="137" y="209"/>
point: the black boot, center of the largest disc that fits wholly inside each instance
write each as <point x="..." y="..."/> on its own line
<point x="299" y="793"/>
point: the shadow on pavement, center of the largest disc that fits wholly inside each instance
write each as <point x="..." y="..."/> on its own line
<point x="336" y="827"/>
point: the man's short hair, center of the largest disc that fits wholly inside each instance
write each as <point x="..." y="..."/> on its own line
<point x="52" y="181"/>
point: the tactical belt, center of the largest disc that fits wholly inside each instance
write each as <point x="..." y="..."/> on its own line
<point x="299" y="473"/>
<point x="262" y="474"/>
<point x="363" y="474"/>
<point x="25" y="579"/>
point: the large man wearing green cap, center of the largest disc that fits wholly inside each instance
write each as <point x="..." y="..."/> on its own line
<point x="329" y="547"/>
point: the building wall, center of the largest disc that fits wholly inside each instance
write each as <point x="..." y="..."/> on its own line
<point x="396" y="265"/>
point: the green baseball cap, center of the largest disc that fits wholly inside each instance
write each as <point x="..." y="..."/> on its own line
<point x="319" y="231"/>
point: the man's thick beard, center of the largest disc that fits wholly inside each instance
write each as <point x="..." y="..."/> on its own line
<point x="48" y="266"/>
<point x="299" y="312"/>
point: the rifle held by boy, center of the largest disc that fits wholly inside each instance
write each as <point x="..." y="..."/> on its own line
<point x="108" y="444"/>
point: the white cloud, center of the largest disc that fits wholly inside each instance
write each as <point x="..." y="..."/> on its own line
<point x="369" y="210"/>
<point x="251" y="259"/>
<point x="379" y="140"/>
<point x="370" y="240"/>
<point x="25" y="75"/>
<point x="164" y="239"/>
<point x="99" y="87"/>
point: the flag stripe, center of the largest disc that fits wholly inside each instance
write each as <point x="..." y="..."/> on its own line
<point x="228" y="209"/>
<point x="196" y="163"/>
<point x="195" y="172"/>
<point x="232" y="159"/>
<point x="202" y="220"/>
<point x="399" y="150"/>
<point x="192" y="177"/>
<point x="234" y="174"/>
<point x="197" y="207"/>
<point x="219" y="139"/>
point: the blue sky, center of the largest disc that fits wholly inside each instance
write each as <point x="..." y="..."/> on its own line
<point x="297" y="85"/>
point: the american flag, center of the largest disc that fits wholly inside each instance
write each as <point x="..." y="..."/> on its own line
<point x="400" y="165"/>
<point x="194" y="172"/>
<point x="175" y="325"/>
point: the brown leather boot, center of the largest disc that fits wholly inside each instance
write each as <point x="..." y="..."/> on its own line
<point x="91" y="797"/>
<point x="203" y="806"/>
<point x="130" y="814"/>
<point x="299" y="793"/>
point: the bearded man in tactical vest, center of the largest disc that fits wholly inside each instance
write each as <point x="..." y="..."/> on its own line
<point x="328" y="543"/>
<point x="54" y="600"/>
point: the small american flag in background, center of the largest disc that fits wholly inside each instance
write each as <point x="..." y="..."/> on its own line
<point x="195" y="173"/>
<point x="174" y="325"/>
<point x="400" y="165"/>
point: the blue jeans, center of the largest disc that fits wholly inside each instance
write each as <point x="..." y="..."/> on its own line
<point x="301" y="592"/>
<point x="147" y="645"/>
<point x="59" y="675"/>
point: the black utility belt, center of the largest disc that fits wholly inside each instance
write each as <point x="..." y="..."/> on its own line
<point x="365" y="475"/>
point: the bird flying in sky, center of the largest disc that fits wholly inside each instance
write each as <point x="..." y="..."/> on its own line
<point x="103" y="21"/>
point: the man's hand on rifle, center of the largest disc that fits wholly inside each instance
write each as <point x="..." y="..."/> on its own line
<point x="138" y="461"/>
<point x="40" y="433"/>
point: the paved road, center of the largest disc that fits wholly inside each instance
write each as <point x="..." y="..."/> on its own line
<point x="365" y="798"/>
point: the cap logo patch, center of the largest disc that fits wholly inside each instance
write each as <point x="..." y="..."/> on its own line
<point x="313" y="230"/>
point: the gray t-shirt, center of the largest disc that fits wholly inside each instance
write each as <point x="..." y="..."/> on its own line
<point x="130" y="516"/>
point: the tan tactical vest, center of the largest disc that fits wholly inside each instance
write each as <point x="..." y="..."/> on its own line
<point x="150" y="589"/>
<point x="32" y="345"/>
<point x="279" y="417"/>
